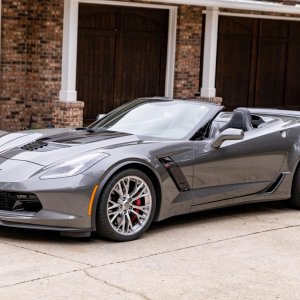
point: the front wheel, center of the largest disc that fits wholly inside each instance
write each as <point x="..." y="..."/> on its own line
<point x="127" y="206"/>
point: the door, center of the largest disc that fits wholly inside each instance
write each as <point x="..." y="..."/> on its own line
<point x="240" y="168"/>
<point x="257" y="64"/>
<point x="122" y="54"/>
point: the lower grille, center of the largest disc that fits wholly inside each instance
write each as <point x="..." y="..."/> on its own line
<point x="11" y="201"/>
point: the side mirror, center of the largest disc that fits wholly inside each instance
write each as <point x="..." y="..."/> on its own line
<point x="100" y="116"/>
<point x="227" y="135"/>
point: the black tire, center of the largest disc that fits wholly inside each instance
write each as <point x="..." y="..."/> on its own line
<point x="294" y="201"/>
<point x="123" y="212"/>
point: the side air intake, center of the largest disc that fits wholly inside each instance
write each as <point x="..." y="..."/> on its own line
<point x="274" y="186"/>
<point x="175" y="173"/>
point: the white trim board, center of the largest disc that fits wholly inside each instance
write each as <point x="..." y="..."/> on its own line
<point x="69" y="58"/>
<point x="130" y="4"/>
<point x="208" y="88"/>
<point x="258" y="16"/>
<point x="239" y="4"/>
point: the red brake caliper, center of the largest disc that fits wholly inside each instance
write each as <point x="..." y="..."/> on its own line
<point x="138" y="202"/>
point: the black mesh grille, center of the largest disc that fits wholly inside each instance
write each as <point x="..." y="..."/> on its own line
<point x="19" y="202"/>
<point x="6" y="202"/>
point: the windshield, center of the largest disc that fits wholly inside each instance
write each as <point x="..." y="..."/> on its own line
<point x="165" y="119"/>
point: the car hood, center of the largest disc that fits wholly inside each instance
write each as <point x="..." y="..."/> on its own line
<point x="44" y="147"/>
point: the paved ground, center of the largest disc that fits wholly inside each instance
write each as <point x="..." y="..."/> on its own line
<point x="249" y="252"/>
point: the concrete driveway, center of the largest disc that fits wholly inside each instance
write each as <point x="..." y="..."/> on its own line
<point x="247" y="252"/>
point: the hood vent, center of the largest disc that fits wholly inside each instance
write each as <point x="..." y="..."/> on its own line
<point x="41" y="146"/>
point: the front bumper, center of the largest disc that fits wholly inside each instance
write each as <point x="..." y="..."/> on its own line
<point x="64" y="201"/>
<point x="45" y="220"/>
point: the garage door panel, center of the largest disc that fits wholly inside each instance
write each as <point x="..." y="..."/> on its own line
<point x="236" y="26"/>
<point x="95" y="16"/>
<point x="132" y="77"/>
<point x="293" y="75"/>
<point x="121" y="55"/>
<point x="259" y="69"/>
<point x="271" y="70"/>
<point x="294" y="30"/>
<point x="95" y="76"/>
<point x="238" y="96"/>
<point x="274" y="29"/>
<point x="144" y="20"/>
<point x="270" y="77"/>
<point x="234" y="61"/>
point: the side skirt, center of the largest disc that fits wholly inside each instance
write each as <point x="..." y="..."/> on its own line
<point x="279" y="190"/>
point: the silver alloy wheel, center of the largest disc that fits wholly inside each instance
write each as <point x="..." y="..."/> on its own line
<point x="129" y="205"/>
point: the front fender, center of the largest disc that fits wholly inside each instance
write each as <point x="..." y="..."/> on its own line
<point x="115" y="168"/>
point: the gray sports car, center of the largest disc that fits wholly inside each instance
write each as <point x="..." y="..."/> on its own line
<point x="147" y="160"/>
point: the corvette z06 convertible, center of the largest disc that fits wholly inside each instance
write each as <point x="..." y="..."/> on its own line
<point x="146" y="161"/>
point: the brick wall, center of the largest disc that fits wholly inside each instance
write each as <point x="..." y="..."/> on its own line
<point x="13" y="63"/>
<point x="44" y="54"/>
<point x="30" y="64"/>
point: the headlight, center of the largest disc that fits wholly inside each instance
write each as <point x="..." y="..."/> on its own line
<point x="74" y="166"/>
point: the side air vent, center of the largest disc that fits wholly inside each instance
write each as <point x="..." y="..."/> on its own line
<point x="274" y="186"/>
<point x="175" y="173"/>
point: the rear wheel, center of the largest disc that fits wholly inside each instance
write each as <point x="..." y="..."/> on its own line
<point x="127" y="206"/>
<point x="295" y="197"/>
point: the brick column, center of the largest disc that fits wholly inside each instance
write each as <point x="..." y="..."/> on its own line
<point x="216" y="100"/>
<point x="188" y="49"/>
<point x="68" y="114"/>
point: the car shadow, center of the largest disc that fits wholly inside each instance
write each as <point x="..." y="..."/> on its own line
<point x="215" y="214"/>
<point x="45" y="236"/>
